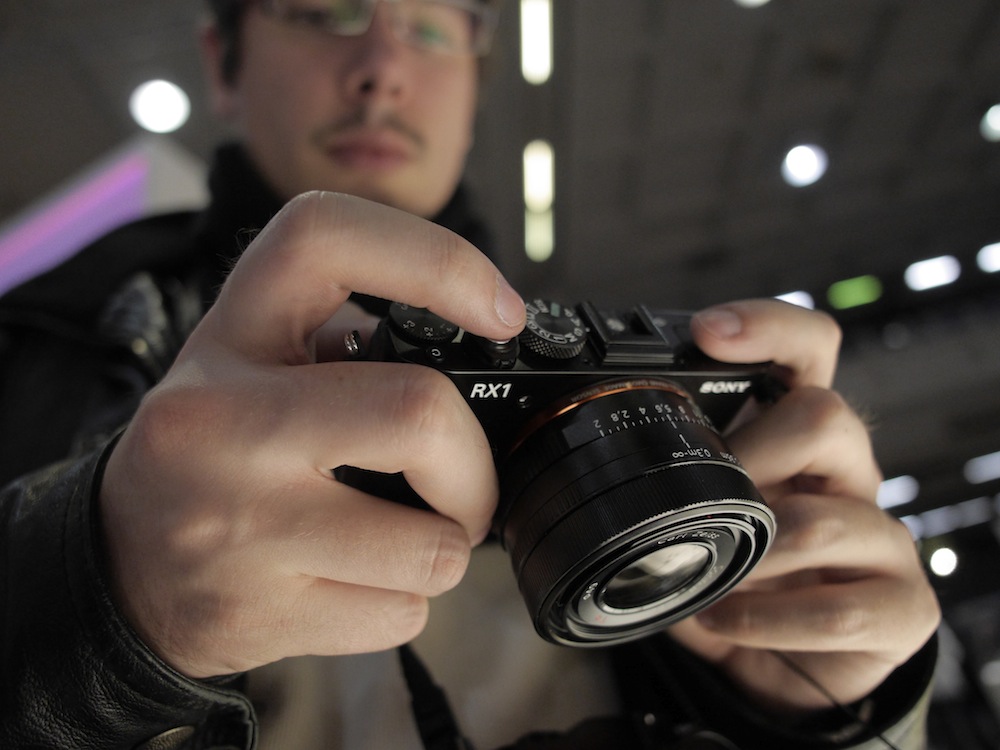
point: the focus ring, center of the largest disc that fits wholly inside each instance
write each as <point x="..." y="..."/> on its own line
<point x="549" y="546"/>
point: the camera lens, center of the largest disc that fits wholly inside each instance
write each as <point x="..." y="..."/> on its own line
<point x="656" y="575"/>
<point x="623" y="511"/>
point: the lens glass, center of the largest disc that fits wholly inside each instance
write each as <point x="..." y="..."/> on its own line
<point x="657" y="575"/>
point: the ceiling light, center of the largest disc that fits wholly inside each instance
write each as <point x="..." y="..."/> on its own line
<point x="933" y="272"/>
<point x="802" y="299"/>
<point x="752" y="3"/>
<point x="160" y="106"/>
<point x="982" y="469"/>
<point x="539" y="175"/>
<point x="988" y="258"/>
<point x="539" y="235"/>
<point x="536" y="40"/>
<point x="897" y="491"/>
<point x="539" y="192"/>
<point x="949" y="518"/>
<point x="943" y="562"/>
<point x="861" y="290"/>
<point x="804" y="165"/>
<point x="989" y="126"/>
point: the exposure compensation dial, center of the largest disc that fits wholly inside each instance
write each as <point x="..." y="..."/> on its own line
<point x="553" y="330"/>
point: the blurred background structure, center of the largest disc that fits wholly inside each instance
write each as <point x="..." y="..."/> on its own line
<point x="661" y="137"/>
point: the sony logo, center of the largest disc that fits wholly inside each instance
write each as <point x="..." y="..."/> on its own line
<point x="725" y="386"/>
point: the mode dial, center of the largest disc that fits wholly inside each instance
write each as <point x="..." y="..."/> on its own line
<point x="419" y="326"/>
<point x="553" y="330"/>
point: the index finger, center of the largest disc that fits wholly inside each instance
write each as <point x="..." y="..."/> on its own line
<point x="805" y="342"/>
<point x="323" y="246"/>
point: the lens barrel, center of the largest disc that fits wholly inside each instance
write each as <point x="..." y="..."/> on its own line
<point x="623" y="511"/>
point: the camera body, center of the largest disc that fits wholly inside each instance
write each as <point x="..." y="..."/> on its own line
<point x="566" y="350"/>
<point x="620" y="505"/>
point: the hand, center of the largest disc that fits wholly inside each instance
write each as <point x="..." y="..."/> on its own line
<point x="230" y="543"/>
<point x="841" y="592"/>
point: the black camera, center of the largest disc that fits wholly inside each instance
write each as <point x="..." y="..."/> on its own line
<point x="621" y="508"/>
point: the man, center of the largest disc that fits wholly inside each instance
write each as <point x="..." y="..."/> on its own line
<point x="157" y="578"/>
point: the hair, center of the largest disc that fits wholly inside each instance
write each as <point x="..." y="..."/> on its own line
<point x="228" y="18"/>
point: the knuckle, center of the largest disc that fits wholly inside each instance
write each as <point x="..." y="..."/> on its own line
<point x="901" y="537"/>
<point x="453" y="258"/>
<point x="408" y="619"/>
<point x="821" y="408"/>
<point x="821" y="411"/>
<point x="806" y="530"/>
<point x="932" y="611"/>
<point x="829" y="329"/>
<point x="849" y="621"/>
<point x="399" y="620"/>
<point x="168" y="417"/>
<point x="425" y="406"/>
<point x="446" y="562"/>
<point x="299" y="215"/>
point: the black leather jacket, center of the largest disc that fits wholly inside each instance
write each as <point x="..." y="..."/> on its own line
<point x="79" y="347"/>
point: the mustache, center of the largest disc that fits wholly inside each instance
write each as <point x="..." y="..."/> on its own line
<point x="366" y="119"/>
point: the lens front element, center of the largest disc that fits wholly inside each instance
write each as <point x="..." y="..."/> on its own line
<point x="623" y="511"/>
<point x="657" y="575"/>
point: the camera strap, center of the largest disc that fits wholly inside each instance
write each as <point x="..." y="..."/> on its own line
<point x="658" y="700"/>
<point x="646" y="727"/>
<point x="431" y="711"/>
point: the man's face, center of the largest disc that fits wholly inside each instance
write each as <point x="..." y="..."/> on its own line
<point x="366" y="115"/>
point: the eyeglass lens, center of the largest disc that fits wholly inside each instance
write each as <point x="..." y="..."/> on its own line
<point x="436" y="25"/>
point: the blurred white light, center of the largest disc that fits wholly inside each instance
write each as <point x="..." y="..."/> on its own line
<point x="944" y="562"/>
<point x="802" y="299"/>
<point x="988" y="258"/>
<point x="536" y="40"/>
<point x="539" y="235"/>
<point x="539" y="176"/>
<point x="897" y="491"/>
<point x="160" y="106"/>
<point x="752" y="3"/>
<point x="982" y="469"/>
<point x="804" y="165"/>
<point x="990" y="124"/>
<point x="941" y="521"/>
<point x="975" y="512"/>
<point x="949" y="518"/>
<point x="933" y="272"/>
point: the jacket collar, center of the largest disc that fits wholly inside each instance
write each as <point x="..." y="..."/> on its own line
<point x="243" y="203"/>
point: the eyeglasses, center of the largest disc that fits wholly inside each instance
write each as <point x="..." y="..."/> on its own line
<point x="452" y="27"/>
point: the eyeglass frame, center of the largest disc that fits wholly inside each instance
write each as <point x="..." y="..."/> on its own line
<point x="486" y="17"/>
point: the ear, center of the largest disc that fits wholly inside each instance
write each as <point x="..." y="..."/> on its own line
<point x="222" y="93"/>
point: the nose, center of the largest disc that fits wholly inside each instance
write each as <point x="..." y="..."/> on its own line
<point x="378" y="67"/>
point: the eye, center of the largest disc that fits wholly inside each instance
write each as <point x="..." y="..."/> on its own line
<point x="438" y="26"/>
<point x="340" y="16"/>
<point x="431" y="35"/>
<point x="314" y="17"/>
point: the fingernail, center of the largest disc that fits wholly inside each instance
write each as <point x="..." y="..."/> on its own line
<point x="721" y="322"/>
<point x="508" y="303"/>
